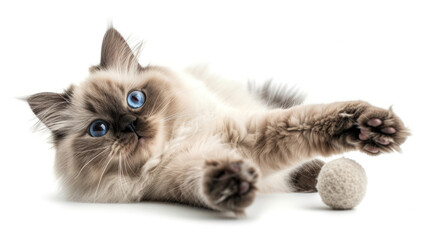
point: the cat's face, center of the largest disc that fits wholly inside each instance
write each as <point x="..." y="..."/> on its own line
<point x="114" y="121"/>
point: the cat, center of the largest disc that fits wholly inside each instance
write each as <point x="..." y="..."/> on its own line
<point x="130" y="133"/>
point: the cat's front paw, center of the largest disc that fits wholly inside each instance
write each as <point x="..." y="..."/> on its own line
<point x="229" y="185"/>
<point x="380" y="131"/>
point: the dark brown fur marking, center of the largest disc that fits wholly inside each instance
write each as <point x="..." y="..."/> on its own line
<point x="304" y="178"/>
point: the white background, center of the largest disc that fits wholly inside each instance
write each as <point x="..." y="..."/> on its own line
<point x="332" y="50"/>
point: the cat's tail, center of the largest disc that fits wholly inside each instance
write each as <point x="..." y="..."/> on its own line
<point x="276" y="95"/>
<point x="302" y="178"/>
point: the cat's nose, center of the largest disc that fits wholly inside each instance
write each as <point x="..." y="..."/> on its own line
<point x="126" y="123"/>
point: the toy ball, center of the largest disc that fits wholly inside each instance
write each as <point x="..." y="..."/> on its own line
<point x="342" y="183"/>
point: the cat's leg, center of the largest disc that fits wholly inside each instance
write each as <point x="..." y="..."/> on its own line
<point x="283" y="137"/>
<point x="300" y="178"/>
<point x="205" y="175"/>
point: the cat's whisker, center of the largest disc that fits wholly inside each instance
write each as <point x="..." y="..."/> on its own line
<point x="174" y="190"/>
<point x="124" y="169"/>
<point x="163" y="104"/>
<point x="186" y="117"/>
<point x="154" y="105"/>
<point x="89" y="150"/>
<point x="121" y="175"/>
<point x="178" y="115"/>
<point x="101" y="177"/>
<point x="132" y="166"/>
<point x="128" y="164"/>
<point x="92" y="159"/>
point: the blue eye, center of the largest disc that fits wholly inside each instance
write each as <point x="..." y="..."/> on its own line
<point x="136" y="99"/>
<point x="98" y="128"/>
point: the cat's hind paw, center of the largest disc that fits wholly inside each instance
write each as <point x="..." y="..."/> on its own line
<point x="229" y="185"/>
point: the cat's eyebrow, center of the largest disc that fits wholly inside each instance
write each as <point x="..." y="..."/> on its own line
<point x="90" y="107"/>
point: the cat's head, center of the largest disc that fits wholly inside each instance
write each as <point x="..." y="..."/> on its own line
<point x="116" y="119"/>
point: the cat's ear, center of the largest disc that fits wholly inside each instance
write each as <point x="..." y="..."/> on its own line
<point x="117" y="54"/>
<point x="50" y="108"/>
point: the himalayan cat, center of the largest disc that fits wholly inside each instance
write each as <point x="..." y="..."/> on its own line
<point x="131" y="133"/>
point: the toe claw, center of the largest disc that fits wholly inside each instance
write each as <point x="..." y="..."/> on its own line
<point x="383" y="141"/>
<point x="371" y="149"/>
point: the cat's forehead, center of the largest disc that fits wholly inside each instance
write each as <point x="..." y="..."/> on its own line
<point x="104" y="95"/>
<point x="117" y="84"/>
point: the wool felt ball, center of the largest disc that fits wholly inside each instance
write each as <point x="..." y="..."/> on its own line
<point x="342" y="183"/>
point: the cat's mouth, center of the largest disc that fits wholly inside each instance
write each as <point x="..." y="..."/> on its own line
<point x="131" y="128"/>
<point x="141" y="134"/>
<point x="138" y="136"/>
